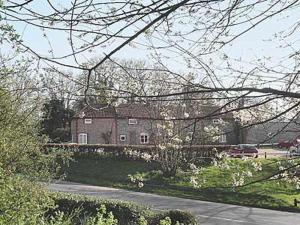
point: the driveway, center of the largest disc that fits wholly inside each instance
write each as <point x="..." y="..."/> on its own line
<point x="208" y="213"/>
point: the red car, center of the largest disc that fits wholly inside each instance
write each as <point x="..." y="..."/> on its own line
<point x="287" y="144"/>
<point x="244" y="150"/>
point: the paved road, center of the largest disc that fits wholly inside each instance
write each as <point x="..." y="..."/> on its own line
<point x="208" y="213"/>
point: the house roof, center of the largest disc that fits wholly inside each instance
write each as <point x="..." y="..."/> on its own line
<point x="138" y="110"/>
<point x="133" y="110"/>
<point x="102" y="112"/>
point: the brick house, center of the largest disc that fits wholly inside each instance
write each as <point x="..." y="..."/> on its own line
<point x="94" y="126"/>
<point x="125" y="124"/>
<point x="133" y="124"/>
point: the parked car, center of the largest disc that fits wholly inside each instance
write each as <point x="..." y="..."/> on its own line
<point x="244" y="150"/>
<point x="288" y="144"/>
<point x="295" y="150"/>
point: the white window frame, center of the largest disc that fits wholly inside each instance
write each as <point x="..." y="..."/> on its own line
<point x="215" y="121"/>
<point x="88" y="121"/>
<point x="82" y="138"/>
<point x="123" y="136"/>
<point x="144" y="138"/>
<point x="223" y="138"/>
<point x="132" y="121"/>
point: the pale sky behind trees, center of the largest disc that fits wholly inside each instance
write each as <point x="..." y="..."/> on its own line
<point x="257" y="43"/>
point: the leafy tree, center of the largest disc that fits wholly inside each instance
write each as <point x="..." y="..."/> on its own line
<point x="22" y="162"/>
<point x="56" y="120"/>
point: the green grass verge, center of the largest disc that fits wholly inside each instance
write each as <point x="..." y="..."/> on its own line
<point x="217" y="186"/>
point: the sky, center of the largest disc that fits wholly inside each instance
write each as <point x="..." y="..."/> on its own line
<point x="258" y="42"/>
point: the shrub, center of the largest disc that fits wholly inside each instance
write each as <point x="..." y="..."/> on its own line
<point x="125" y="212"/>
<point x="176" y="216"/>
<point x="22" y="202"/>
<point x="135" y="152"/>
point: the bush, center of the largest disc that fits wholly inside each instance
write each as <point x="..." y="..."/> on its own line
<point x="22" y="201"/>
<point x="125" y="212"/>
<point x="133" y="152"/>
<point x="176" y="216"/>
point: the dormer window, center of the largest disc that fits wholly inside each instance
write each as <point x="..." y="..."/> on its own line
<point x="88" y="121"/>
<point x="132" y="121"/>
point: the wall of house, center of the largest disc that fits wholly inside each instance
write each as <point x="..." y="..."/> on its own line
<point x="201" y="137"/>
<point x="262" y="133"/>
<point x="133" y="131"/>
<point x="95" y="131"/>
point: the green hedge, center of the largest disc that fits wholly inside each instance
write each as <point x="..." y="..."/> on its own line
<point x="121" y="151"/>
<point x="126" y="213"/>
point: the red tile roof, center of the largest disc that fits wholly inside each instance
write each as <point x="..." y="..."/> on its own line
<point x="138" y="110"/>
<point x="134" y="110"/>
<point x="89" y="112"/>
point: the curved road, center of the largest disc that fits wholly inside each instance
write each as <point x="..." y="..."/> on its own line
<point x="208" y="213"/>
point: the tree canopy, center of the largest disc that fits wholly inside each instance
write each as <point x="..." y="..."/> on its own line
<point x="182" y="38"/>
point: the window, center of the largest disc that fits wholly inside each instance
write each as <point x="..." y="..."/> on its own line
<point x="222" y="138"/>
<point x="215" y="121"/>
<point x="132" y="121"/>
<point x="88" y="121"/>
<point x="82" y="138"/>
<point x="144" y="138"/>
<point x="123" y="137"/>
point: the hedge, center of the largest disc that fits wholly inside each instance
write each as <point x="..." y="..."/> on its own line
<point x="195" y="151"/>
<point x="126" y="213"/>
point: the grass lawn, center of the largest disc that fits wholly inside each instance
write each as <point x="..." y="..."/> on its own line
<point x="217" y="185"/>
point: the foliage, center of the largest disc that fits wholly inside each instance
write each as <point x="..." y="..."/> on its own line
<point x="174" y="217"/>
<point x="22" y="162"/>
<point x="137" y="179"/>
<point x="22" y="202"/>
<point x="56" y="121"/>
<point x="100" y="218"/>
<point x="109" y="212"/>
<point x="166" y="221"/>
<point x="142" y="221"/>
<point x="170" y="144"/>
<point x="203" y="153"/>
<point x="61" y="218"/>
<point x="20" y="143"/>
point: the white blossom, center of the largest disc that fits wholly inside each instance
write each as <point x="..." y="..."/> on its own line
<point x="194" y="182"/>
